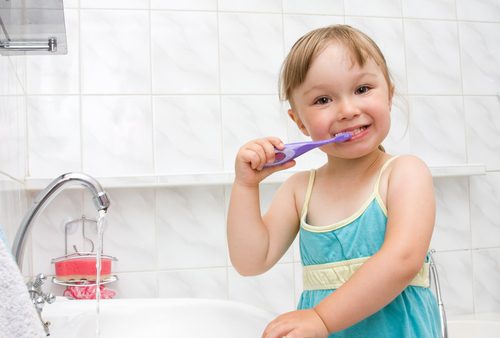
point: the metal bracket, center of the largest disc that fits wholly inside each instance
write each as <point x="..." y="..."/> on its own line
<point x="49" y="45"/>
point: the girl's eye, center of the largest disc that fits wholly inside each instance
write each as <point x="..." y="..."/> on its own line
<point x="322" y="100"/>
<point x="362" y="90"/>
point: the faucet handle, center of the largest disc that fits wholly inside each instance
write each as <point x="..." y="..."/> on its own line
<point x="39" y="302"/>
<point x="39" y="280"/>
<point x="49" y="298"/>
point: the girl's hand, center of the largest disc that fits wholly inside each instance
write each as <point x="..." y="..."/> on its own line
<point x="297" y="324"/>
<point x="252" y="157"/>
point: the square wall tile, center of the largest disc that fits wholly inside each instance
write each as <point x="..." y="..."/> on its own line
<point x="455" y="276"/>
<point x="53" y="135"/>
<point x="486" y="280"/>
<point x="272" y="291"/>
<point x="136" y="285"/>
<point x="117" y="62"/>
<point x="188" y="134"/>
<point x="71" y="3"/>
<point x="391" y="8"/>
<point x="191" y="228"/>
<point x="483" y="130"/>
<point x="322" y="7"/>
<point x="13" y="135"/>
<point x="199" y="283"/>
<point x="184" y="52"/>
<point x="117" y="135"/>
<point x="13" y="204"/>
<point x="250" y="6"/>
<point x="8" y="131"/>
<point x="478" y="10"/>
<point x="17" y="84"/>
<point x="480" y="46"/>
<point x="452" y="229"/>
<point x="115" y="4"/>
<point x="485" y="214"/>
<point x="430" y="9"/>
<point x="448" y="123"/>
<point x="432" y="57"/>
<point x="197" y="5"/>
<point x="251" y="52"/>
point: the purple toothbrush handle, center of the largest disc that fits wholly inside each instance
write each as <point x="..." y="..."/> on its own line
<point x="293" y="150"/>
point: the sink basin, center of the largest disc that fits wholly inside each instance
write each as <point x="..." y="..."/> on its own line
<point x="483" y="325"/>
<point x="155" y="318"/>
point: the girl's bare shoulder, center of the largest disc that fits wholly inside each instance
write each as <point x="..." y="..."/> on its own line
<point x="409" y="165"/>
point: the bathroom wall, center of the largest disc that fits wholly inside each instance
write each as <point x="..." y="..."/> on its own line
<point x="168" y="87"/>
<point x="13" y="143"/>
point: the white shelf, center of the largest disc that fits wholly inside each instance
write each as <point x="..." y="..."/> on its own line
<point x="222" y="178"/>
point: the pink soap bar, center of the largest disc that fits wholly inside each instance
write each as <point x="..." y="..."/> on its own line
<point x="82" y="268"/>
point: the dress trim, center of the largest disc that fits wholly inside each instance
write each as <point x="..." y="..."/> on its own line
<point x="334" y="275"/>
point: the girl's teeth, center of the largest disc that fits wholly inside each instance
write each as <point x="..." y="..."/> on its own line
<point x="353" y="132"/>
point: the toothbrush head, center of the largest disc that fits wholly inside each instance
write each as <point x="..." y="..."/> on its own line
<point x="342" y="137"/>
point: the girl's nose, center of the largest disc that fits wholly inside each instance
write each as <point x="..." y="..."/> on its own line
<point x="347" y="109"/>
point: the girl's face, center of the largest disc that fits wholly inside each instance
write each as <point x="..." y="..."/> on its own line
<point x="338" y="95"/>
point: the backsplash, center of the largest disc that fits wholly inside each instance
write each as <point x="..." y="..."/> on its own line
<point x="165" y="87"/>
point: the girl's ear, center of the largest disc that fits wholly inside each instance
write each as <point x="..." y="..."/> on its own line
<point x="295" y="117"/>
<point x="391" y="95"/>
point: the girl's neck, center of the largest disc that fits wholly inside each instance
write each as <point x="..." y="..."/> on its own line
<point x="356" y="166"/>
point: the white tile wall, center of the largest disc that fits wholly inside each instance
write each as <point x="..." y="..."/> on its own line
<point x="177" y="86"/>
<point x="188" y="133"/>
<point x="433" y="58"/>
<point x="54" y="135"/>
<point x="13" y="200"/>
<point x="184" y="52"/>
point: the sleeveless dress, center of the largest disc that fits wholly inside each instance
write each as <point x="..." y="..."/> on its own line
<point x="331" y="254"/>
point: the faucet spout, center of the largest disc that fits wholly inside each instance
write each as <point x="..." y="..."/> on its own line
<point x="99" y="196"/>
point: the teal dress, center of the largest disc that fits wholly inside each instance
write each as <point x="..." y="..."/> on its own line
<point x="331" y="254"/>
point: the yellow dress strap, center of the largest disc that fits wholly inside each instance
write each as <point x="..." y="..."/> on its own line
<point x="376" y="191"/>
<point x="305" y="206"/>
<point x="332" y="275"/>
<point x="386" y="164"/>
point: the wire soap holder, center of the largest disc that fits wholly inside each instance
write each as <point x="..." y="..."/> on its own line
<point x="79" y="268"/>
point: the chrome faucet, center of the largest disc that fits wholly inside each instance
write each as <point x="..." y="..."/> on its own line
<point x="437" y="286"/>
<point x="101" y="202"/>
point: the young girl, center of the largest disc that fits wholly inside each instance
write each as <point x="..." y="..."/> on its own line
<point x="365" y="218"/>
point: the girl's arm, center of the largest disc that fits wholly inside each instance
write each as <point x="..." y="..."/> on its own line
<point x="257" y="242"/>
<point x="411" y="213"/>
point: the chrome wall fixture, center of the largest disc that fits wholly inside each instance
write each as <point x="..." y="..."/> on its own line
<point x="32" y="27"/>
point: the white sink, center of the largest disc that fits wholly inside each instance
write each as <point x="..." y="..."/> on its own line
<point x="155" y="318"/>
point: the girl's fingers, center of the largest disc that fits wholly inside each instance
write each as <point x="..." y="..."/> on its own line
<point x="260" y="155"/>
<point x="277" y="330"/>
<point x="264" y="150"/>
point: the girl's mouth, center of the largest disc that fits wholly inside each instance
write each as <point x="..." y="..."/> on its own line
<point x="354" y="132"/>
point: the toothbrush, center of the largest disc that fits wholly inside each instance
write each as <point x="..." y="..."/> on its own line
<point x="293" y="150"/>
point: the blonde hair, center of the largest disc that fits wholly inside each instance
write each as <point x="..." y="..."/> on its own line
<point x="304" y="51"/>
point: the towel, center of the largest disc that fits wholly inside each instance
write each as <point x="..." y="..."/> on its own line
<point x="3" y="237"/>
<point x="18" y="316"/>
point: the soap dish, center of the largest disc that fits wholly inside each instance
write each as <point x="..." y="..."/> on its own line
<point x="77" y="267"/>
